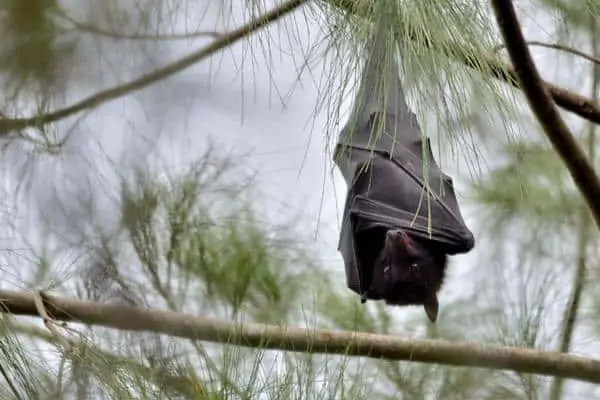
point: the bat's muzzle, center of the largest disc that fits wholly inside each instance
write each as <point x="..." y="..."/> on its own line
<point x="401" y="240"/>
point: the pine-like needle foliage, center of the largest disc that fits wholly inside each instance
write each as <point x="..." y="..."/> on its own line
<point x="533" y="223"/>
<point x="433" y="40"/>
<point x="196" y="239"/>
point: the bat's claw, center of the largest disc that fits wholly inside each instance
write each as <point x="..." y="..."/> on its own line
<point x="363" y="298"/>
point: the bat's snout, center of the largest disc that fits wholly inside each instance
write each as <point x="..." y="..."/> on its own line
<point x="401" y="238"/>
<point x="396" y="234"/>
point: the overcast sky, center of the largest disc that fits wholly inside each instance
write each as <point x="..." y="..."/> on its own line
<point x="247" y="98"/>
<point x="233" y="98"/>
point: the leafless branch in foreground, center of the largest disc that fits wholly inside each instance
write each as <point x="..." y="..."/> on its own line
<point x="8" y="125"/>
<point x="344" y="343"/>
<point x="579" y="166"/>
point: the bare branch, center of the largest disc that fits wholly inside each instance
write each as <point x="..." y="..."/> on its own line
<point x="584" y="107"/>
<point x="285" y="338"/>
<point x="49" y="322"/>
<point x="579" y="279"/>
<point x="96" y="30"/>
<point x="64" y="342"/>
<point x="16" y="124"/>
<point x="541" y="103"/>
<point x="555" y="46"/>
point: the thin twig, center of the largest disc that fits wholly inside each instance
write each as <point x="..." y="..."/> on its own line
<point x="579" y="278"/>
<point x="555" y="46"/>
<point x="570" y="313"/>
<point x="59" y="379"/>
<point x="315" y="341"/>
<point x="16" y="124"/>
<point x="564" y="98"/>
<point x="60" y="338"/>
<point x="96" y="30"/>
<point x="543" y="107"/>
<point x="49" y="322"/>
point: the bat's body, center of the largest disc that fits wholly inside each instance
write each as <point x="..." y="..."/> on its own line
<point x="407" y="272"/>
<point x="401" y="217"/>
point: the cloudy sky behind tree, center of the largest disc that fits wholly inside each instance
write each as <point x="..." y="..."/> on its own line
<point x="259" y="99"/>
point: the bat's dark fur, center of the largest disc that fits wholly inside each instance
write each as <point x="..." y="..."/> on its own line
<point x="405" y="271"/>
<point x="394" y="249"/>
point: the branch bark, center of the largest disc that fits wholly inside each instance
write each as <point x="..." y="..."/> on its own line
<point x="580" y="168"/>
<point x="9" y="125"/>
<point x="559" y="47"/>
<point x="577" y="104"/>
<point x="306" y="340"/>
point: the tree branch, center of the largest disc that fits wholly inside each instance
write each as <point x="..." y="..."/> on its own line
<point x="584" y="107"/>
<point x="16" y="124"/>
<point x="579" y="279"/>
<point x="562" y="139"/>
<point x="306" y="340"/>
<point x="564" y="98"/>
<point x="556" y="46"/>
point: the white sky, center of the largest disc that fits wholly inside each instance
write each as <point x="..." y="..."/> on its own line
<point x="233" y="97"/>
<point x="235" y="103"/>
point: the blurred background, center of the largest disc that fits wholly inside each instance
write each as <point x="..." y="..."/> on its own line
<point x="211" y="190"/>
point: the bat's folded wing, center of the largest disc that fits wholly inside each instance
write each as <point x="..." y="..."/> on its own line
<point x="395" y="194"/>
<point x="404" y="189"/>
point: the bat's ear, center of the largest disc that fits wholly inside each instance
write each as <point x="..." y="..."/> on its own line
<point x="431" y="307"/>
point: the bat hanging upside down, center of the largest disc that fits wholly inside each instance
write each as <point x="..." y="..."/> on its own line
<point x="406" y="271"/>
<point x="401" y="216"/>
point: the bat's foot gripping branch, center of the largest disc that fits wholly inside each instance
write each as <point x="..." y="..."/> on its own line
<point x="363" y="298"/>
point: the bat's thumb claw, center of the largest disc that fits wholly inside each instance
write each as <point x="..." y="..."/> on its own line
<point x="363" y="298"/>
<point x="431" y="307"/>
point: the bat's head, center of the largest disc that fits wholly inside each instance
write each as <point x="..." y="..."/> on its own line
<point x="409" y="272"/>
